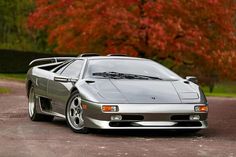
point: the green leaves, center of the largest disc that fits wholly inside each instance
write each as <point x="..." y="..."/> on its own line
<point x="14" y="33"/>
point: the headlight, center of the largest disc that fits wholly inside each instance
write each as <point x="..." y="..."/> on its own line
<point x="201" y="108"/>
<point x="194" y="117"/>
<point x="110" y="108"/>
<point x="116" y="117"/>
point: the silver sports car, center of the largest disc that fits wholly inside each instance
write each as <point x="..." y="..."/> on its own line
<point x="114" y="92"/>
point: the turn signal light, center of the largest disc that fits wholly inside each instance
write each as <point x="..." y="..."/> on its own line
<point x="110" y="108"/>
<point x="201" y="108"/>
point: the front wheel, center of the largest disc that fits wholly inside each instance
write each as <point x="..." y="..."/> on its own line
<point x="74" y="114"/>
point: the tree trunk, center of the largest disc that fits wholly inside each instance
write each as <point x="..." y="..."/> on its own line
<point x="211" y="87"/>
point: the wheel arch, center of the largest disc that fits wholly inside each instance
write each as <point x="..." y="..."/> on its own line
<point x="74" y="89"/>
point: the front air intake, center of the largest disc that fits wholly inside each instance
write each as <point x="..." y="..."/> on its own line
<point x="179" y="117"/>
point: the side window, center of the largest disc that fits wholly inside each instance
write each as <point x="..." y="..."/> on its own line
<point x="73" y="70"/>
<point x="61" y="67"/>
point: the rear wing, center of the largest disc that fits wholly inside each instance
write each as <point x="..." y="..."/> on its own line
<point x="51" y="60"/>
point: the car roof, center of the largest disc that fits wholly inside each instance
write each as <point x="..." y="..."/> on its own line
<point x="111" y="57"/>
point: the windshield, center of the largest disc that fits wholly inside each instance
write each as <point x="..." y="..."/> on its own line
<point x="128" y="69"/>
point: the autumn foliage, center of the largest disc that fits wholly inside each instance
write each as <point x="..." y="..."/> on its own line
<point x="193" y="34"/>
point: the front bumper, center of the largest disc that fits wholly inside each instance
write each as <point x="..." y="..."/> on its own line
<point x="145" y="116"/>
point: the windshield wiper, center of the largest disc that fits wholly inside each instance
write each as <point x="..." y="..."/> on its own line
<point x="109" y="74"/>
<point x="117" y="75"/>
<point x="149" y="77"/>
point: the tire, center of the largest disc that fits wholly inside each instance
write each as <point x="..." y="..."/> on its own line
<point x="74" y="114"/>
<point x="34" y="116"/>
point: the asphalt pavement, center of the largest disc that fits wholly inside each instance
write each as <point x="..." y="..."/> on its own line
<point x="20" y="137"/>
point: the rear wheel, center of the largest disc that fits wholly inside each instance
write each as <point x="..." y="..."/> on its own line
<point x="34" y="116"/>
<point x="74" y="114"/>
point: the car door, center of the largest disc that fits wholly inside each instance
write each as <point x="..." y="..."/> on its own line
<point x="59" y="92"/>
<point x="41" y="77"/>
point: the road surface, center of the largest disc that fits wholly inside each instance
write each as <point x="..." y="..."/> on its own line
<point x="20" y="137"/>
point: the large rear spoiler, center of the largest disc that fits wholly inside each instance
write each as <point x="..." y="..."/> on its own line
<point x="51" y="60"/>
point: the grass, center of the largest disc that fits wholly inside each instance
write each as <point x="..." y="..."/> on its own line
<point x="14" y="77"/>
<point x="229" y="95"/>
<point x="4" y="90"/>
<point x="223" y="89"/>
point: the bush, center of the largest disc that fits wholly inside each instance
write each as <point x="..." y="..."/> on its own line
<point x="12" y="61"/>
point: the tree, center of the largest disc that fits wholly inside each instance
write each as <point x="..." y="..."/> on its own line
<point x="13" y="15"/>
<point x="195" y="34"/>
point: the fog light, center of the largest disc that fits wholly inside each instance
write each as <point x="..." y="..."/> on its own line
<point x="116" y="117"/>
<point x="194" y="117"/>
<point x="110" y="108"/>
<point x="201" y="108"/>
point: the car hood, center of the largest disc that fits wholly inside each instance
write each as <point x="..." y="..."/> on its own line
<point x="139" y="91"/>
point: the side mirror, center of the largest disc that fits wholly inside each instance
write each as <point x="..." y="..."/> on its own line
<point x="192" y="79"/>
<point x="65" y="79"/>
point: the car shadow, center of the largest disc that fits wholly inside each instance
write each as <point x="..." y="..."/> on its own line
<point x="59" y="122"/>
<point x="143" y="133"/>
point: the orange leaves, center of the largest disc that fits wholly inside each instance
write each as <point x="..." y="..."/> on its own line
<point x="227" y="63"/>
